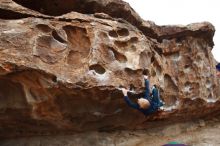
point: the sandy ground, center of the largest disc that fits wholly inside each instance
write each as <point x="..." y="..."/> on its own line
<point x="196" y="133"/>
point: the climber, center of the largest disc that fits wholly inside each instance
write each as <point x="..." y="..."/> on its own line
<point x="147" y="104"/>
<point x="218" y="69"/>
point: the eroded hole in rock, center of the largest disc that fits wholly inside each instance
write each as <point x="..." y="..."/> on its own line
<point x="121" y="44"/>
<point x="188" y="61"/>
<point x="97" y="68"/>
<point x="9" y="99"/>
<point x="145" y="60"/>
<point x="113" y="33"/>
<point x="44" y="28"/>
<point x="170" y="93"/>
<point x="191" y="87"/>
<point x="198" y="59"/>
<point x="133" y="48"/>
<point x="209" y="84"/>
<point x="132" y="87"/>
<point x="152" y="59"/>
<point x="158" y="50"/>
<point x="103" y="35"/>
<point x="160" y="40"/>
<point x="58" y="37"/>
<point x="133" y="72"/>
<point x="54" y="79"/>
<point x="175" y="56"/>
<point x="146" y="72"/>
<point x="206" y="52"/>
<point x="153" y="73"/>
<point x="171" y="51"/>
<point x="79" y="39"/>
<point x="74" y="59"/>
<point x="38" y="94"/>
<point x="171" y="100"/>
<point x="118" y="56"/>
<point x="169" y="84"/>
<point x="42" y="49"/>
<point x="33" y="94"/>
<point x="9" y="15"/>
<point x="133" y="40"/>
<point x="105" y="53"/>
<point x="187" y="68"/>
<point x="38" y="85"/>
<point x="157" y="67"/>
<point x="187" y="87"/>
<point x="123" y="32"/>
<point x="179" y="39"/>
<point x="189" y="49"/>
<point x="49" y="50"/>
<point x="46" y="82"/>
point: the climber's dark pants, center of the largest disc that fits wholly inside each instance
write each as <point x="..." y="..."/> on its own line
<point x="147" y="90"/>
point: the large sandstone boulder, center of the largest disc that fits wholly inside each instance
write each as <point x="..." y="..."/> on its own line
<point x="61" y="63"/>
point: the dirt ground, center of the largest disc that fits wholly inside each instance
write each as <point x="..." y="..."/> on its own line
<point x="196" y="133"/>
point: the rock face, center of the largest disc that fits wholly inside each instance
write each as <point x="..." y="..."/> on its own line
<point x="61" y="63"/>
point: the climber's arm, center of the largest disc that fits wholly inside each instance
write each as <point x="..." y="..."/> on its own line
<point x="130" y="103"/>
<point x="127" y="100"/>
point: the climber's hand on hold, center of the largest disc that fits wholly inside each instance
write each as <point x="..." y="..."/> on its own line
<point x="145" y="77"/>
<point x="124" y="91"/>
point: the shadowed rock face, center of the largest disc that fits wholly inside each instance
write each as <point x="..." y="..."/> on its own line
<point x="60" y="74"/>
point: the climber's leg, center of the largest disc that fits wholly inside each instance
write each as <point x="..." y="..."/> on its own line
<point x="147" y="87"/>
<point x="218" y="69"/>
<point x="157" y="103"/>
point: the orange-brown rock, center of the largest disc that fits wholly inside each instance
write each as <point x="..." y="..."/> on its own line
<point x="61" y="63"/>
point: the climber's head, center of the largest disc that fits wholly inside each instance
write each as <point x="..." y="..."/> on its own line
<point x="143" y="103"/>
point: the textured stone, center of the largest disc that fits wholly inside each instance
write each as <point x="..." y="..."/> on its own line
<point x="61" y="66"/>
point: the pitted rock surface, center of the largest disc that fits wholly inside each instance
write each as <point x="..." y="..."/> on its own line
<point x="62" y="62"/>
